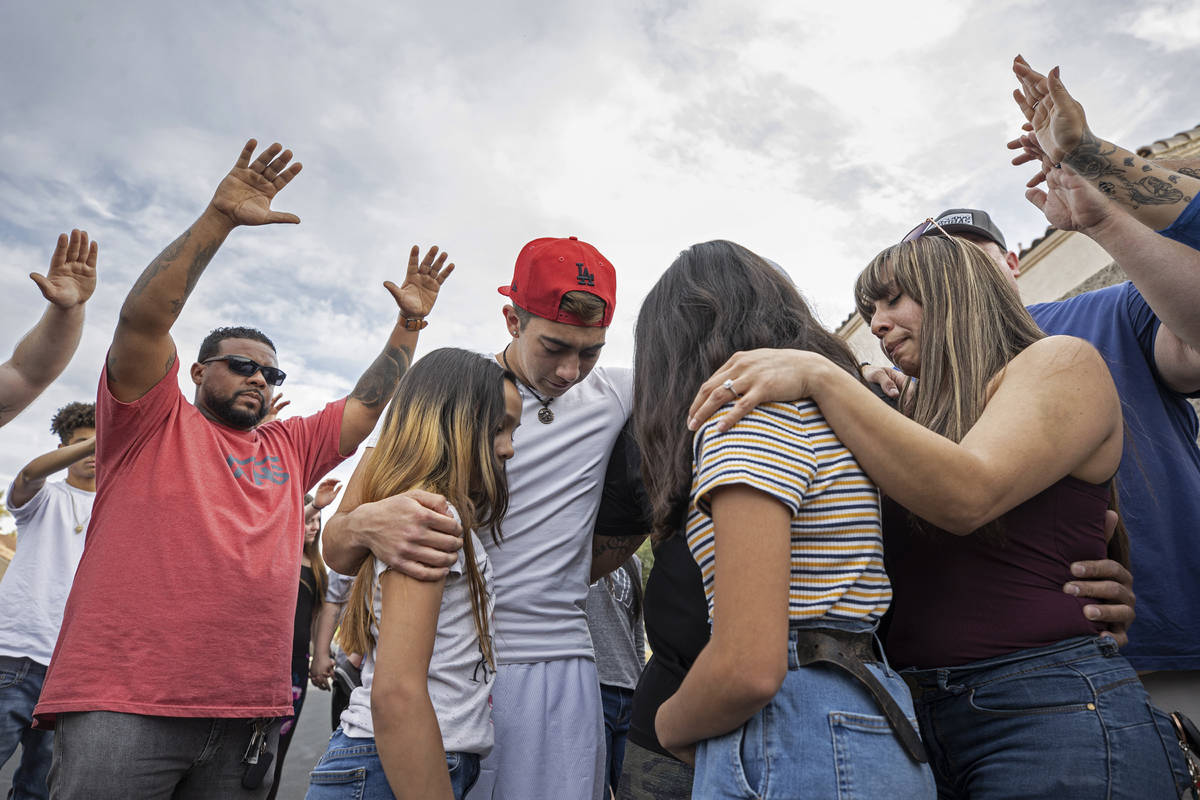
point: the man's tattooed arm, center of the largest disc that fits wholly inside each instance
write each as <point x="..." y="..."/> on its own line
<point x="375" y="388"/>
<point x="610" y="552"/>
<point x="379" y="382"/>
<point x="142" y="350"/>
<point x="1152" y="192"/>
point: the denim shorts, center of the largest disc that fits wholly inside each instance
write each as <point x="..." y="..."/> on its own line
<point x="822" y="735"/>
<point x="1069" y="720"/>
<point x="351" y="768"/>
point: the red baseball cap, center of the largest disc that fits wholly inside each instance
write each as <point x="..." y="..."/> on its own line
<point x="548" y="268"/>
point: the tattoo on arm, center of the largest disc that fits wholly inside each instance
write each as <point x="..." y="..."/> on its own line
<point x="168" y="259"/>
<point x="1093" y="160"/>
<point x="378" y="383"/>
<point x="161" y="263"/>
<point x="614" y="550"/>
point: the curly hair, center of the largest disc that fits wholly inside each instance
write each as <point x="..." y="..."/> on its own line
<point x="70" y="418"/>
<point x="211" y="344"/>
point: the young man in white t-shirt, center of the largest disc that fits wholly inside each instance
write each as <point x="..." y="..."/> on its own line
<point x="52" y="520"/>
<point x="546" y="697"/>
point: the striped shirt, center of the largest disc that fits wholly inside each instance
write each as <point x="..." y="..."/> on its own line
<point x="788" y="452"/>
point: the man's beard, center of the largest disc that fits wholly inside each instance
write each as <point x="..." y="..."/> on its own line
<point x="235" y="416"/>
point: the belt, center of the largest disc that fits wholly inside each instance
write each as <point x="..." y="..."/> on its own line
<point x="850" y="651"/>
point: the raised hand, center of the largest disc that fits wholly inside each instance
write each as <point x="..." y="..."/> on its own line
<point x="326" y="493"/>
<point x="71" y="278"/>
<point x="1055" y="118"/>
<point x="1070" y="203"/>
<point x="244" y="195"/>
<point x="277" y="405"/>
<point x="422" y="283"/>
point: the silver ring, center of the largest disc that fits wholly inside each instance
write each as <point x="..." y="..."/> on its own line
<point x="728" y="384"/>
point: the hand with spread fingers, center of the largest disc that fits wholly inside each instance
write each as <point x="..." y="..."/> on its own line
<point x="244" y="196"/>
<point x="422" y="283"/>
<point x="71" y="278"/>
<point x="277" y="405"/>
<point x="326" y="492"/>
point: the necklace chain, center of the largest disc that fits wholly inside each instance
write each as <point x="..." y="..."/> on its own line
<point x="79" y="526"/>
<point x="545" y="414"/>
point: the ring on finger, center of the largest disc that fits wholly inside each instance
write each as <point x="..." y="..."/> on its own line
<point x="728" y="384"/>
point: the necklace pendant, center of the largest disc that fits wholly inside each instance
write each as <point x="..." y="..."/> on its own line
<point x="545" y="415"/>
<point x="79" y="529"/>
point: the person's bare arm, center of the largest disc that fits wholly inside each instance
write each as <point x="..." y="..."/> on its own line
<point x="44" y="352"/>
<point x="744" y="663"/>
<point x="142" y="349"/>
<point x="1166" y="272"/>
<point x="32" y="477"/>
<point x="406" y="726"/>
<point x="411" y="532"/>
<point x="1058" y="133"/>
<point x="376" y="386"/>
<point x="321" y="668"/>
<point x="610" y="552"/>
<point x="1055" y="413"/>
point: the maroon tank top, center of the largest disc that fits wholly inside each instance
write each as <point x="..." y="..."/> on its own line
<point x="959" y="599"/>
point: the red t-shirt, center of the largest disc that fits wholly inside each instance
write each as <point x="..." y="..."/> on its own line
<point x="183" y="602"/>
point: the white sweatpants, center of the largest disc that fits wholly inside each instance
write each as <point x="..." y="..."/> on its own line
<point x="549" y="734"/>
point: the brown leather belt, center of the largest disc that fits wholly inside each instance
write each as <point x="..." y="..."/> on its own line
<point x="851" y="651"/>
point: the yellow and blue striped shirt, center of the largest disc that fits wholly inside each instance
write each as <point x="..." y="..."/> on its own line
<point x="789" y="452"/>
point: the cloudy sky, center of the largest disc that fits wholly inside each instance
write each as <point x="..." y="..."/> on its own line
<point x="814" y="134"/>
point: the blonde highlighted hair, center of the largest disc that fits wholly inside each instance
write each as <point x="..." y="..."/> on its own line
<point x="973" y="324"/>
<point x="438" y="436"/>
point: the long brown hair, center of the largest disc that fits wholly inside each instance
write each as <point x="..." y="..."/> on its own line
<point x="438" y="436"/>
<point x="974" y="324"/>
<point x="716" y="299"/>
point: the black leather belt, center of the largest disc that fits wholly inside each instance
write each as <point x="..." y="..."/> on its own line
<point x="851" y="651"/>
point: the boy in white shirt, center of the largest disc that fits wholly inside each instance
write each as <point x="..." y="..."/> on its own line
<point x="52" y="520"/>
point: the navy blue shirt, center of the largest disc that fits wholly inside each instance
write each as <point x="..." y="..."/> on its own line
<point x="1159" y="478"/>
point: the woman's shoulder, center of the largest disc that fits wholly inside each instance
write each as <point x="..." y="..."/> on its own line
<point x="1056" y="360"/>
<point x="1051" y="363"/>
<point x="766" y="419"/>
<point x="1059" y="350"/>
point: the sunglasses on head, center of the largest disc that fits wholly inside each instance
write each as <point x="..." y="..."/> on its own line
<point x="928" y="226"/>
<point x="240" y="365"/>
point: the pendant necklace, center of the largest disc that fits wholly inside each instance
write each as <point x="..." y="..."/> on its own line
<point x="544" y="414"/>
<point x="79" y="526"/>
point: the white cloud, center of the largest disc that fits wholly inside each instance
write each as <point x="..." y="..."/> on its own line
<point x="813" y="134"/>
<point x="1172" y="26"/>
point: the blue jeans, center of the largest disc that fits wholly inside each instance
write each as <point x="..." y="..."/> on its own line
<point x="618" y="710"/>
<point x="1070" y="720"/>
<point x="20" y="684"/>
<point x="351" y="768"/>
<point x="822" y="735"/>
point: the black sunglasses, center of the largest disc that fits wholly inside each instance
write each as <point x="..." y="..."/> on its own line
<point x="240" y="365"/>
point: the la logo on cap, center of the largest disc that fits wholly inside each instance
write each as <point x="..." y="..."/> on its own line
<point x="549" y="268"/>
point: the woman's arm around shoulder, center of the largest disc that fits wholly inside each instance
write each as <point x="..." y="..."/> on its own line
<point x="1052" y="412"/>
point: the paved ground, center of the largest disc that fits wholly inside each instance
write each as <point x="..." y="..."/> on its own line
<point x="312" y="735"/>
